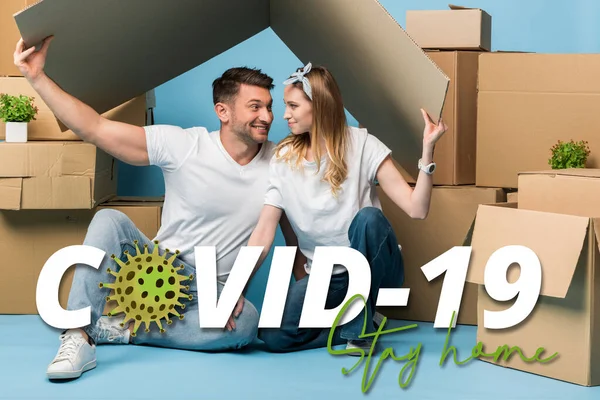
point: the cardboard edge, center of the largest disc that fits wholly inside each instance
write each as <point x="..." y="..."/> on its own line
<point x="469" y="237"/>
<point x="467" y="241"/>
<point x="572" y="172"/>
<point x="422" y="50"/>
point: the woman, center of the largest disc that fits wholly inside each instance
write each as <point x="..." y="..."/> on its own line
<point x="323" y="177"/>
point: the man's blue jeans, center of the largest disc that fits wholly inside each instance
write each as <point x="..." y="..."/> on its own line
<point x="114" y="233"/>
<point x="370" y="233"/>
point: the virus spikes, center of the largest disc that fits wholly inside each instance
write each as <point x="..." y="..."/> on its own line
<point x="186" y="296"/>
<point x="146" y="291"/>
<point x="117" y="310"/>
<point x="161" y="329"/>
<point x="114" y="297"/>
<point x="102" y="285"/>
<point x="136" y="326"/>
<point x="113" y="273"/>
<point x="119" y="263"/>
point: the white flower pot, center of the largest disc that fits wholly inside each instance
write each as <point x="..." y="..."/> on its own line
<point x="16" y="132"/>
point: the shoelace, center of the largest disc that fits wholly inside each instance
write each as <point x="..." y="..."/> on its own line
<point x="68" y="347"/>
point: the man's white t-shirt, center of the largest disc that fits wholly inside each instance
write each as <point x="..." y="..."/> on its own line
<point x="210" y="199"/>
<point x="317" y="217"/>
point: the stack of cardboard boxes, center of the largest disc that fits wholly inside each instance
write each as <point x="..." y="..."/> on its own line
<point x="460" y="37"/>
<point x="53" y="184"/>
<point x="505" y="110"/>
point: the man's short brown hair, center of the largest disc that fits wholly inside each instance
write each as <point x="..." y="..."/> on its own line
<point x="227" y="86"/>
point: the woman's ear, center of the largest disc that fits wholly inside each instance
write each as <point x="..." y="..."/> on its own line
<point x="223" y="112"/>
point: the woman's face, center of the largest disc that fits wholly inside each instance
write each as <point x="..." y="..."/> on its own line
<point x="298" y="110"/>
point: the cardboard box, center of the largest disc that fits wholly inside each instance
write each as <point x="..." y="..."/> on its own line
<point x="527" y="102"/>
<point x="455" y="152"/>
<point x="451" y="213"/>
<point x="9" y="34"/>
<point x="55" y="175"/>
<point x="47" y="127"/>
<point x="358" y="41"/>
<point x="570" y="191"/>
<point x="30" y="237"/>
<point x="459" y="28"/>
<point x="565" y="319"/>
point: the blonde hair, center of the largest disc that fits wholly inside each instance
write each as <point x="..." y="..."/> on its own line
<point x="329" y="123"/>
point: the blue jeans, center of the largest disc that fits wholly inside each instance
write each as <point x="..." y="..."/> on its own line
<point x="114" y="233"/>
<point x="370" y="233"/>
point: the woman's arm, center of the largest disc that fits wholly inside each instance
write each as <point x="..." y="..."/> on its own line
<point x="264" y="232"/>
<point x="292" y="240"/>
<point x="414" y="202"/>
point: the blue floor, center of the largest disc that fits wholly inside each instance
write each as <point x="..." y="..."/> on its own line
<point x="27" y="345"/>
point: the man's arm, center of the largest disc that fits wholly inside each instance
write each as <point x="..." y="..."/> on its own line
<point x="292" y="240"/>
<point x="123" y="141"/>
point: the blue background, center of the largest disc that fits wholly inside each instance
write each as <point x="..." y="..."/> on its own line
<point x="543" y="26"/>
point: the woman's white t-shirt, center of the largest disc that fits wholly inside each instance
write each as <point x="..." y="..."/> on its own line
<point x="317" y="217"/>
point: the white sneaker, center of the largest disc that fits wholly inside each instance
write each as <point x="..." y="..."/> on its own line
<point x="109" y="330"/>
<point x="74" y="357"/>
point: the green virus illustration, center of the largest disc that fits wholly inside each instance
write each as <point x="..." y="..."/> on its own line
<point x="147" y="288"/>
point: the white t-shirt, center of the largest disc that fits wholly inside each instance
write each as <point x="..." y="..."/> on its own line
<point x="210" y="200"/>
<point x="317" y="217"/>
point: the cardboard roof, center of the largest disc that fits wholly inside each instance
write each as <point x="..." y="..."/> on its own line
<point x="107" y="52"/>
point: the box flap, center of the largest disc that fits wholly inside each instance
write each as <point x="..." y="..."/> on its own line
<point x="556" y="239"/>
<point x="10" y="193"/>
<point x="137" y="55"/>
<point x="578" y="172"/>
<point x="385" y="78"/>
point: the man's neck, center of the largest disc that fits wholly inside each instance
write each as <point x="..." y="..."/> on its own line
<point x="241" y="151"/>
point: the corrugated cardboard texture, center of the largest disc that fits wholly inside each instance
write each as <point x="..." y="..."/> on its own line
<point x="556" y="239"/>
<point x="572" y="191"/>
<point x="30" y="237"/>
<point x="384" y="76"/>
<point x="527" y="102"/>
<point x="9" y="34"/>
<point x="451" y="214"/>
<point x="55" y="175"/>
<point x="565" y="318"/>
<point x="564" y="325"/>
<point x="455" y="151"/>
<point x="141" y="44"/>
<point x="459" y="29"/>
<point x="594" y="354"/>
<point x="46" y="126"/>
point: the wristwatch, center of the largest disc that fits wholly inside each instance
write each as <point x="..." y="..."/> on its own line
<point x="428" y="169"/>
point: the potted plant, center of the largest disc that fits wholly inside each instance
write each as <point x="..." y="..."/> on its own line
<point x="17" y="112"/>
<point x="569" y="154"/>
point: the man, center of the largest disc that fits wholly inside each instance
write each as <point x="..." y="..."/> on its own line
<point x="214" y="190"/>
